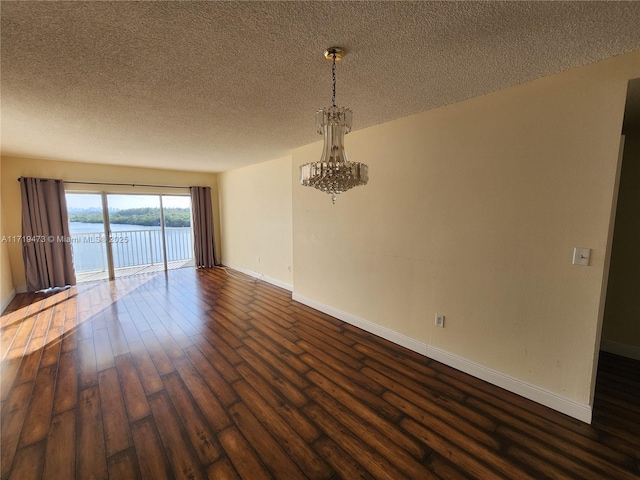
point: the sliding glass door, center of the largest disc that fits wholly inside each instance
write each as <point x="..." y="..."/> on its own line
<point x="135" y="224"/>
<point x="139" y="234"/>
<point x="88" y="235"/>
<point x="177" y="230"/>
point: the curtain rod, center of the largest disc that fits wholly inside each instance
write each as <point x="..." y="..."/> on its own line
<point x="122" y="184"/>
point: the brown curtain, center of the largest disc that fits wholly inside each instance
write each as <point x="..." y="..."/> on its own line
<point x="204" y="244"/>
<point x="46" y="249"/>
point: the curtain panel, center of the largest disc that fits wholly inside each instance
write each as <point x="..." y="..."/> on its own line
<point x="204" y="244"/>
<point x="46" y="249"/>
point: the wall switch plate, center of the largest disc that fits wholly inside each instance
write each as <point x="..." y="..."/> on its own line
<point x="581" y="256"/>
<point x="439" y="320"/>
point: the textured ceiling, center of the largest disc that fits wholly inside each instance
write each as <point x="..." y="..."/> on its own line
<point x="211" y="86"/>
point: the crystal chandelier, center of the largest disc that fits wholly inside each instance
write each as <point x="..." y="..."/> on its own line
<point x="334" y="173"/>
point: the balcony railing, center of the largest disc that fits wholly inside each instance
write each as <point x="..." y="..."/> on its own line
<point x="130" y="248"/>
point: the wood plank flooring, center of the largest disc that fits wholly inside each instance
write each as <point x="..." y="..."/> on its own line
<point x="197" y="374"/>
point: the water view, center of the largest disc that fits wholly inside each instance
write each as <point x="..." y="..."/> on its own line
<point x="131" y="245"/>
<point x="79" y="227"/>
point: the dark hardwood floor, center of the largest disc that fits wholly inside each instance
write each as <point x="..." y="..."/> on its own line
<point x="198" y="374"/>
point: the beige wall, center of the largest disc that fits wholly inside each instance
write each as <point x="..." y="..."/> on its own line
<point x="622" y="311"/>
<point x="472" y="211"/>
<point x="255" y="215"/>
<point x="13" y="168"/>
<point x="7" y="289"/>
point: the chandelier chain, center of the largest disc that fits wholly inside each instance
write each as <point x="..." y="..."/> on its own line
<point x="333" y="73"/>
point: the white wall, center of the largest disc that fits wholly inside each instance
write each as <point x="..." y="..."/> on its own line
<point x="255" y="215"/>
<point x="472" y="210"/>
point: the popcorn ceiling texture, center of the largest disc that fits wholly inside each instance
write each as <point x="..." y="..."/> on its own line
<point x="211" y="86"/>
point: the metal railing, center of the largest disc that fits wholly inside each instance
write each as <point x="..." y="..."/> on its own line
<point x="130" y="248"/>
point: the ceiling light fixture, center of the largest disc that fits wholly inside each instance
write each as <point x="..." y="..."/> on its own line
<point x="334" y="173"/>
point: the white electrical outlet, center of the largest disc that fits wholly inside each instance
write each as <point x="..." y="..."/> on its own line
<point x="439" y="320"/>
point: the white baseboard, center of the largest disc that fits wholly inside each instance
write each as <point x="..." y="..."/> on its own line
<point x="260" y="276"/>
<point x="384" y="332"/>
<point x="576" y="410"/>
<point x="629" y="351"/>
<point x="549" y="399"/>
<point x="6" y="301"/>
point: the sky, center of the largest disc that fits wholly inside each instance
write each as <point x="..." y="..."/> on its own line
<point x="94" y="200"/>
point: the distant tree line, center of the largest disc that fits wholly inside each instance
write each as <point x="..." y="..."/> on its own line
<point x="149" y="217"/>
